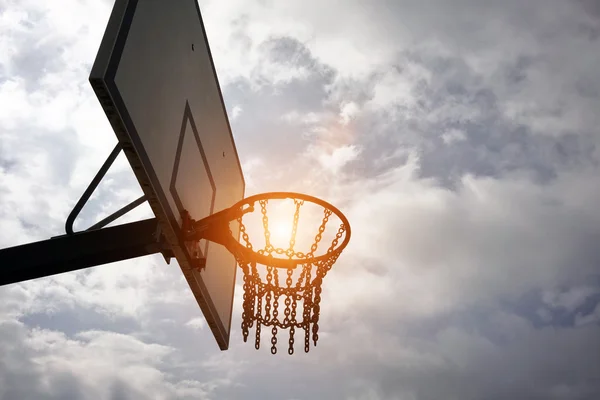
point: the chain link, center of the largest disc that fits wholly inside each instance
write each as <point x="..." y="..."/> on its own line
<point x="290" y="251"/>
<point x="327" y="213"/>
<point x="265" y="219"/>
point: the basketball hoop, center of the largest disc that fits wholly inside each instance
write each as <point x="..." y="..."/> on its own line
<point x="300" y="287"/>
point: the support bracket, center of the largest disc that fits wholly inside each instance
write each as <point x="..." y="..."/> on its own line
<point x="90" y="190"/>
<point x="81" y="250"/>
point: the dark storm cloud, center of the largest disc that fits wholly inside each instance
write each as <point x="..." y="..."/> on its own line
<point x="455" y="98"/>
<point x="261" y="129"/>
<point x="591" y="6"/>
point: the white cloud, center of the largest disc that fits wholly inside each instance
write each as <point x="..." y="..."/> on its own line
<point x="485" y="234"/>
<point x="126" y="289"/>
<point x="94" y="364"/>
<point x="453" y="136"/>
<point x="236" y="112"/>
<point x="569" y="300"/>
<point x="334" y="160"/>
<point x="395" y="87"/>
<point x="309" y="118"/>
<point x="196" y="323"/>
<point x="348" y="112"/>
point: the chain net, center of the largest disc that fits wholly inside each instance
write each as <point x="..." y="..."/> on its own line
<point x="285" y="299"/>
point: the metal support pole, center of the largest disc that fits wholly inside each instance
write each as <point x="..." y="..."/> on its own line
<point x="117" y="214"/>
<point x="81" y="250"/>
<point x="90" y="189"/>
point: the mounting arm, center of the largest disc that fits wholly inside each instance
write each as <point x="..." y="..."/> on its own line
<point x="81" y="250"/>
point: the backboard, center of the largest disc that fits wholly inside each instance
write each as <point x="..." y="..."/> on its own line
<point x="156" y="81"/>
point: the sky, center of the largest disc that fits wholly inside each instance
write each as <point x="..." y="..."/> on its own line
<point x="461" y="139"/>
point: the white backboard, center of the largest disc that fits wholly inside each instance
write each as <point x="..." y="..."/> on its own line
<point x="156" y="81"/>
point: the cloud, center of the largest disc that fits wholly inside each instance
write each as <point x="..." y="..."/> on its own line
<point x="453" y="135"/>
<point x="592" y="318"/>
<point x="570" y="299"/>
<point x="196" y="323"/>
<point x="348" y="112"/>
<point x="237" y="110"/>
<point x="92" y="364"/>
<point x="334" y="160"/>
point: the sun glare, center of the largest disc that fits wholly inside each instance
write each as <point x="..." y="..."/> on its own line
<point x="281" y="233"/>
<point x="281" y="222"/>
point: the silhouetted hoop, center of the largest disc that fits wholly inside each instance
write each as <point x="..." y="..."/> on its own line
<point x="248" y="205"/>
<point x="292" y="302"/>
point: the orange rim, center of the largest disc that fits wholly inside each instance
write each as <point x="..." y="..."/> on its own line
<point x="246" y="254"/>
